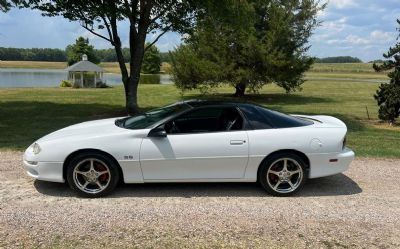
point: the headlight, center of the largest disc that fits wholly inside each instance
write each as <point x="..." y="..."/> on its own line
<point x="36" y="148"/>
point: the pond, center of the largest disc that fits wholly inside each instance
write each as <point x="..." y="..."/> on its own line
<point x="17" y="77"/>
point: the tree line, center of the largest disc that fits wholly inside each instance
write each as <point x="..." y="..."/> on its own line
<point x="338" y="59"/>
<point x="56" y="54"/>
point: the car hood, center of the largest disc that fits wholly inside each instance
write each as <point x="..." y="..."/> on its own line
<point x="88" y="129"/>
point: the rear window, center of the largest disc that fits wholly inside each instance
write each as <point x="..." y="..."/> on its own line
<point x="263" y="118"/>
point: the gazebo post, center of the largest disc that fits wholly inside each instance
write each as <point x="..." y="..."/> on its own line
<point x="73" y="78"/>
<point x="95" y="79"/>
<point x="81" y="79"/>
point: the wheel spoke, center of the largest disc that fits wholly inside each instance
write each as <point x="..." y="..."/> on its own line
<point x="285" y="164"/>
<point x="91" y="165"/>
<point x="81" y="172"/>
<point x="85" y="185"/>
<point x="99" y="184"/>
<point x="277" y="184"/>
<point x="274" y="172"/>
<point x="291" y="184"/>
<point x="295" y="172"/>
<point x="102" y="172"/>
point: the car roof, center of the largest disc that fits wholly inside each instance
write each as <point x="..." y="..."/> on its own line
<point x="201" y="102"/>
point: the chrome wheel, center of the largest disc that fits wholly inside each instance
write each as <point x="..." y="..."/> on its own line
<point x="91" y="175"/>
<point x="284" y="175"/>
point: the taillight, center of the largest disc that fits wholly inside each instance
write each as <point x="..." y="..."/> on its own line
<point x="344" y="143"/>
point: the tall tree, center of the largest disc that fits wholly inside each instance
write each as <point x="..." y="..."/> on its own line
<point x="102" y="18"/>
<point x="259" y="42"/>
<point x="75" y="51"/>
<point x="388" y="94"/>
<point x="151" y="60"/>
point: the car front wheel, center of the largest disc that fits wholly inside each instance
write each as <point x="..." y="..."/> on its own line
<point x="92" y="175"/>
<point x="283" y="174"/>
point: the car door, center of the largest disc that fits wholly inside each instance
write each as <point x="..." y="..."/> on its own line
<point x="197" y="147"/>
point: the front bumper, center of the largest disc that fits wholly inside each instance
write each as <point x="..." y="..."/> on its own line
<point x="46" y="171"/>
<point x="320" y="164"/>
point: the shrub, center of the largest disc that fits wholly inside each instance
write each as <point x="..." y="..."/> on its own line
<point x="388" y="94"/>
<point x="102" y="85"/>
<point x="150" y="79"/>
<point x="65" y="83"/>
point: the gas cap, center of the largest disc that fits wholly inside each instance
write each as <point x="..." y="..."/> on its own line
<point x="315" y="144"/>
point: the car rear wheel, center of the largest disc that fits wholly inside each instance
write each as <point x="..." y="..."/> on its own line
<point x="283" y="174"/>
<point x="92" y="175"/>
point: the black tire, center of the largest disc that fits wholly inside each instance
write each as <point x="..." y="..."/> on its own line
<point x="275" y="180"/>
<point x="97" y="170"/>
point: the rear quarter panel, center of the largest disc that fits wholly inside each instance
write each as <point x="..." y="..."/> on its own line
<point x="307" y="139"/>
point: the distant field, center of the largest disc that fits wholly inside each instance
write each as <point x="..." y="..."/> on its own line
<point x="29" y="113"/>
<point x="33" y="64"/>
<point x="109" y="67"/>
<point x="343" y="67"/>
<point x="319" y="70"/>
<point x="345" y="71"/>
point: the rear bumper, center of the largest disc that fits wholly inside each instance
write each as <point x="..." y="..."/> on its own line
<point x="45" y="171"/>
<point x="320" y="164"/>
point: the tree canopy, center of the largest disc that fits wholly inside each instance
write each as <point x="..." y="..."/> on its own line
<point x="78" y="49"/>
<point x="151" y="60"/>
<point x="248" y="44"/>
<point x="103" y="17"/>
<point x="338" y="59"/>
<point x="388" y="94"/>
<point x="32" y="54"/>
<point x="4" y="5"/>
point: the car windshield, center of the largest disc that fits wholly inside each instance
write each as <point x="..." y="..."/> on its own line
<point x="149" y="118"/>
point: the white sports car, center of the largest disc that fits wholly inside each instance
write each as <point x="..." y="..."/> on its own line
<point x="193" y="141"/>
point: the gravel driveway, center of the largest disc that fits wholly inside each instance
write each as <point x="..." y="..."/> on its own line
<point x="360" y="208"/>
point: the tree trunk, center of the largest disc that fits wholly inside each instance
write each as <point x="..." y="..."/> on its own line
<point x="131" y="104"/>
<point x="240" y="89"/>
<point x="129" y="87"/>
<point x="136" y="43"/>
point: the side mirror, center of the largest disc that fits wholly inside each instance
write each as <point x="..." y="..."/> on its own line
<point x="157" y="132"/>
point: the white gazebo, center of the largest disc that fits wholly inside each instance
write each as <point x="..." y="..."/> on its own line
<point x="76" y="73"/>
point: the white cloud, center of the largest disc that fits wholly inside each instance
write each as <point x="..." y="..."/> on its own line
<point x="340" y="4"/>
<point x="334" y="26"/>
<point x="356" y="40"/>
<point x="379" y="35"/>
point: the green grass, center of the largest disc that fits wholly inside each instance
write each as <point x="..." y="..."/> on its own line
<point x="26" y="114"/>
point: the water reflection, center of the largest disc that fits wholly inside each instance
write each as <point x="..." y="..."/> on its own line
<point x="17" y="77"/>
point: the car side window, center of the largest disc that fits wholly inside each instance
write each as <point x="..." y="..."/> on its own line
<point x="256" y="118"/>
<point x="207" y="119"/>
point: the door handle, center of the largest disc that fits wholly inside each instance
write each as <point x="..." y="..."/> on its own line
<point x="237" y="142"/>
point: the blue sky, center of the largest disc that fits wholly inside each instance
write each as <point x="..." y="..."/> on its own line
<point x="361" y="28"/>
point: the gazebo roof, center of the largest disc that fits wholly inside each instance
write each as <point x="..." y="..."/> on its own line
<point x="84" y="66"/>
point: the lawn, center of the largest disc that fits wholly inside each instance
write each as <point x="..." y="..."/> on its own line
<point x="29" y="113"/>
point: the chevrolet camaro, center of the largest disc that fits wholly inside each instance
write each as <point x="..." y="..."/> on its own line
<point x="193" y="141"/>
